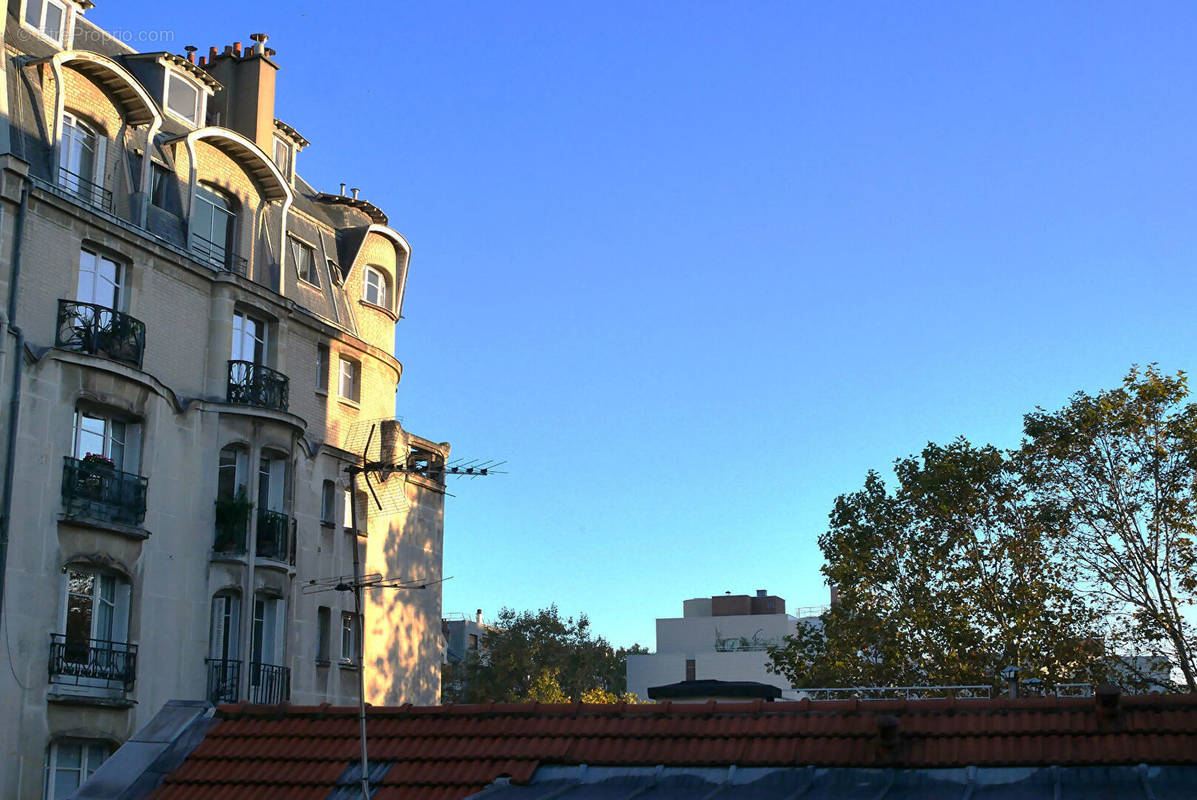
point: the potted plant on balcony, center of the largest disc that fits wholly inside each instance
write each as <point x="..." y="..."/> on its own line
<point x="232" y="522"/>
<point x="93" y="468"/>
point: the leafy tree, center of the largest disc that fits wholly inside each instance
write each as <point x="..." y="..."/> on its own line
<point x="1121" y="468"/>
<point x="945" y="580"/>
<point x="537" y="656"/>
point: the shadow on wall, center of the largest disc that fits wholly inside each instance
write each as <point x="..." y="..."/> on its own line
<point x="403" y="628"/>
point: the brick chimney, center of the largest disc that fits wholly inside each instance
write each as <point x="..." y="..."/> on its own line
<point x="247" y="103"/>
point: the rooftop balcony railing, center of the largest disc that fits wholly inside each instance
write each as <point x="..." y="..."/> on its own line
<point x="269" y="683"/>
<point x="252" y="384"/>
<point x="97" y="490"/>
<point x="92" y="662"/>
<point x="224" y="676"/>
<point x="219" y="255"/>
<point x="275" y="536"/>
<point x="86" y="190"/>
<point x="100" y="331"/>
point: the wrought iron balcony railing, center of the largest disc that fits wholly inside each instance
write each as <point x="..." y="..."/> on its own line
<point x="275" y="536"/>
<point x="98" y="491"/>
<point x="86" y="190"/>
<point x="269" y="683"/>
<point x="92" y="662"/>
<point x="219" y="255"/>
<point x="224" y="676"/>
<point x="232" y="527"/>
<point x="252" y="384"/>
<point x="100" y="331"/>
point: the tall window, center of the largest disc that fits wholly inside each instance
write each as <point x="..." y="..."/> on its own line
<point x="102" y="435"/>
<point x="266" y="638"/>
<point x="249" y="338"/>
<point x="160" y="180"/>
<point x="224" y="637"/>
<point x="70" y="762"/>
<point x="77" y="157"/>
<point x="305" y="262"/>
<point x="99" y="280"/>
<point x="349" y="386"/>
<point x="212" y="225"/>
<point x="323" y="633"/>
<point x="322" y="364"/>
<point x="183" y="98"/>
<point x="376" y="288"/>
<point x="272" y="479"/>
<point x="328" y="502"/>
<point x="231" y="477"/>
<point x="349" y="637"/>
<point x="49" y="18"/>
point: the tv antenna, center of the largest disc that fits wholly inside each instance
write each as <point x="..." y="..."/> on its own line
<point x="383" y="460"/>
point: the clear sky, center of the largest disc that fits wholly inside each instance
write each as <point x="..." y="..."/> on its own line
<point x="693" y="268"/>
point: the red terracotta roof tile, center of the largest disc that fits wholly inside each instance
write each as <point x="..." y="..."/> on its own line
<point x="449" y="752"/>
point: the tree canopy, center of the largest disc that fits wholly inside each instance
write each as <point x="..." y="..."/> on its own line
<point x="539" y="656"/>
<point x="1071" y="557"/>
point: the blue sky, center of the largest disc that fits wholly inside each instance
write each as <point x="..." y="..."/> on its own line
<point x="693" y="268"/>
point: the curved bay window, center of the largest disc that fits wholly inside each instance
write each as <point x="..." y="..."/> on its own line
<point x="81" y="161"/>
<point x="213" y="226"/>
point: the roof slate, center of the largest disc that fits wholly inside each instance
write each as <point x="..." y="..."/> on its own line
<point x="455" y="751"/>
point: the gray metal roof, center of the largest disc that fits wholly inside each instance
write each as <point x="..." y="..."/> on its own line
<point x="810" y="783"/>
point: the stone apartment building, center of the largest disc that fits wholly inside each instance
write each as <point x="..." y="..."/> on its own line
<point x="193" y="341"/>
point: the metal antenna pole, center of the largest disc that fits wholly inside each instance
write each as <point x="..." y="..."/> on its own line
<point x="361" y="634"/>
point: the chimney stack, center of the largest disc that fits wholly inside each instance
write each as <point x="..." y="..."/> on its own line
<point x="355" y="191"/>
<point x="388" y="448"/>
<point x="247" y="103"/>
<point x="342" y="190"/>
<point x="479" y="616"/>
<point x="190" y="53"/>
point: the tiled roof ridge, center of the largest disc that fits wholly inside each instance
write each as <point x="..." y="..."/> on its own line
<point x="713" y="708"/>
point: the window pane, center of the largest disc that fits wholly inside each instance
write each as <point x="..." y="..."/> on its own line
<point x="80" y="595"/>
<point x="322" y="358"/>
<point x="182" y="98"/>
<point x="97" y="754"/>
<point x="53" y="26"/>
<point x="33" y="12"/>
<point x="91" y="435"/>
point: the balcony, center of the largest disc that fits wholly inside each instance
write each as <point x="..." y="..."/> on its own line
<point x="275" y="540"/>
<point x="224" y="676"/>
<point x="87" y="191"/>
<point x="94" y="489"/>
<point x="252" y="384"/>
<point x="232" y="526"/>
<point x="269" y="683"/>
<point x="219" y="256"/>
<point x="92" y="663"/>
<point x="99" y="331"/>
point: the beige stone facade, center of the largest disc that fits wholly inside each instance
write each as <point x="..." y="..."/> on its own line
<point x="197" y="342"/>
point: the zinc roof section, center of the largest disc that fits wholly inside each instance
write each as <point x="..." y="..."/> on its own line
<point x="453" y="751"/>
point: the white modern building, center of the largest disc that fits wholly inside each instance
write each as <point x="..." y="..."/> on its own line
<point x="724" y="637"/>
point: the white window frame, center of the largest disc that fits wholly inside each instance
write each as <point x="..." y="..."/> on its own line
<point x="73" y="123"/>
<point x="354" y="376"/>
<point x="222" y="207"/>
<point x="201" y="98"/>
<point x="382" y="287"/>
<point x="94" y="261"/>
<point x="224" y="633"/>
<point x="116" y="433"/>
<point x="86" y="767"/>
<point x="289" y="154"/>
<point x="68" y="20"/>
<point x="268" y="632"/>
<point x="350" y="636"/>
<point x="260" y="338"/>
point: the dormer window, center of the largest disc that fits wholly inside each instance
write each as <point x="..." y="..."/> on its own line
<point x="282" y="155"/>
<point x="375" y="291"/>
<point x="184" y="99"/>
<point x="50" y="18"/>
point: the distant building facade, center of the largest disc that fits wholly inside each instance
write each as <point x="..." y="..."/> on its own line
<point x="191" y="338"/>
<point x="462" y="636"/>
<point x="723" y="637"/>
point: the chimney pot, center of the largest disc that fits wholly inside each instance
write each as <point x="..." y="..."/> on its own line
<point x="342" y="190"/>
<point x="202" y="62"/>
<point x="479" y="616"/>
<point x="237" y="49"/>
<point x="211" y="53"/>
<point x="228" y="49"/>
<point x="190" y="53"/>
<point x="270" y="51"/>
<point x="355" y="191"/>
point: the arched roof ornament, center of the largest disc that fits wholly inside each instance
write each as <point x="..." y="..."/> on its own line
<point x="270" y="181"/>
<point x="135" y="103"/>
